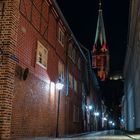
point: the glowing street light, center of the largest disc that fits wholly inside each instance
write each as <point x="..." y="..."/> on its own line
<point x="113" y="124"/>
<point x="96" y="113"/>
<point x="104" y="118"/>
<point x="59" y="86"/>
<point x="90" y="107"/>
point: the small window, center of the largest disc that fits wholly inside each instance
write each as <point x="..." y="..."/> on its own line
<point x="73" y="55"/>
<point x="70" y="81"/>
<point x="79" y="64"/>
<point x="42" y="55"/>
<point x="61" y="70"/>
<point x="75" y="113"/>
<point x="75" y="85"/>
<point x="61" y="36"/>
<point x="72" y="52"/>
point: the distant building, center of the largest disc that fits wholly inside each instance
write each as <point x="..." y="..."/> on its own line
<point x="37" y="49"/>
<point x="93" y="101"/>
<point x="116" y="76"/>
<point x="100" y="52"/>
<point x="131" y="99"/>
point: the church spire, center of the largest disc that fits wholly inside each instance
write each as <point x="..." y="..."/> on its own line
<point x="100" y="30"/>
<point x="100" y="5"/>
<point x="100" y="53"/>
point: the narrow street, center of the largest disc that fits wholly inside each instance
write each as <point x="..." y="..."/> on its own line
<point x="100" y="135"/>
<point x="69" y="70"/>
<point x="107" y="135"/>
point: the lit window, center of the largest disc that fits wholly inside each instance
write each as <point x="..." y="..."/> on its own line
<point x="61" y="70"/>
<point x="42" y="55"/>
<point x="70" y="81"/>
<point x="61" y="36"/>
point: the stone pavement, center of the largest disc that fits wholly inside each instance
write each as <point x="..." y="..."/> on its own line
<point x="135" y="136"/>
<point x="69" y="137"/>
<point x="100" y="135"/>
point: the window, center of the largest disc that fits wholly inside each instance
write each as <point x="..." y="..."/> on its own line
<point x="75" y="85"/>
<point x="61" y="36"/>
<point x="61" y="70"/>
<point x="42" y="55"/>
<point x="70" y="81"/>
<point x="79" y="64"/>
<point x="75" y="113"/>
<point x="73" y="55"/>
<point x="72" y="52"/>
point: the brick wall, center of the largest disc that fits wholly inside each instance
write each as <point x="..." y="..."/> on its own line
<point x="8" y="38"/>
<point x="35" y="99"/>
<point x="28" y="107"/>
<point x="34" y="108"/>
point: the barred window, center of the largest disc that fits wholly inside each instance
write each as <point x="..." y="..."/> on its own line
<point x="42" y="55"/>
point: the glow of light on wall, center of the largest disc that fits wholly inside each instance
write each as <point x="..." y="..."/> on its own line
<point x="52" y="87"/>
<point x="59" y="86"/>
<point x="105" y="119"/>
<point x="96" y="113"/>
<point x="47" y="84"/>
<point x="52" y="91"/>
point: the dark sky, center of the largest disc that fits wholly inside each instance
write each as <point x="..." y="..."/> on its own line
<point x="82" y="16"/>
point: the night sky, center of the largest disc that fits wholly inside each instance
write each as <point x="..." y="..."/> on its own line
<point x="82" y="17"/>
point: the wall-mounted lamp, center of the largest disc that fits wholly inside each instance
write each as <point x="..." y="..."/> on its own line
<point x="59" y="86"/>
<point x="104" y="118"/>
<point x="96" y="113"/>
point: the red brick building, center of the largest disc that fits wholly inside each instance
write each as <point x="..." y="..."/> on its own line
<point x="37" y="48"/>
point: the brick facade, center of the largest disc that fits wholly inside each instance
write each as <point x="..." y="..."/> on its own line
<point x="8" y="41"/>
<point x="28" y="93"/>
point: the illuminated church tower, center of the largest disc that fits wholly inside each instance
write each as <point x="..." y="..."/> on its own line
<point x="100" y="52"/>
